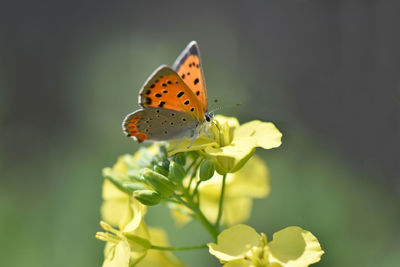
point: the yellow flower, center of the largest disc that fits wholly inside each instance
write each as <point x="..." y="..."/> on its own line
<point x="126" y="249"/>
<point x="231" y="144"/>
<point x="118" y="208"/>
<point x="242" y="246"/>
<point x="123" y="249"/>
<point x="252" y="181"/>
<point x="158" y="258"/>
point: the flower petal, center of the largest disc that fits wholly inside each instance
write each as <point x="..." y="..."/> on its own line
<point x="231" y="121"/>
<point x="114" y="205"/>
<point x="236" y="210"/>
<point x="252" y="180"/>
<point x="133" y="216"/>
<point x="234" y="242"/>
<point x="258" y="134"/>
<point x="200" y="143"/>
<point x="239" y="263"/>
<point x="230" y="158"/>
<point x="117" y="255"/>
<point x="293" y="247"/>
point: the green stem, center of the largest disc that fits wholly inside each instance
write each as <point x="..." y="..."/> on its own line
<point x="200" y="216"/>
<point x="193" y="174"/>
<point x="221" y="201"/>
<point x="195" y="192"/>
<point x="178" y="248"/>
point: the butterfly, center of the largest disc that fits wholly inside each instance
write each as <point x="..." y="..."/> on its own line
<point x="173" y="100"/>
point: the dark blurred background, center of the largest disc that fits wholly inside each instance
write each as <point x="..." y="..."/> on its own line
<point x="325" y="72"/>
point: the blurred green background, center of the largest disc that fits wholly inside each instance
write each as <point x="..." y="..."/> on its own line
<point x="325" y="72"/>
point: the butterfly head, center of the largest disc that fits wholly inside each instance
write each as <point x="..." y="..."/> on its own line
<point x="208" y="116"/>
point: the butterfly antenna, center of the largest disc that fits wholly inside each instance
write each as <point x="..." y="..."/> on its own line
<point x="229" y="106"/>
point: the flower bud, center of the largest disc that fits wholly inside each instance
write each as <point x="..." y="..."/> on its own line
<point x="180" y="158"/>
<point x="131" y="187"/>
<point x="134" y="174"/>
<point x="158" y="182"/>
<point x="147" y="197"/>
<point x="176" y="171"/>
<point x="160" y="170"/>
<point x="207" y="169"/>
<point x="165" y="164"/>
<point x="163" y="152"/>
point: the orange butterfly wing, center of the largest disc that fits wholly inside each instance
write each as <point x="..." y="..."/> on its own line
<point x="189" y="67"/>
<point x="165" y="89"/>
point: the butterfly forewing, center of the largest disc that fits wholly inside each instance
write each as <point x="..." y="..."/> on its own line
<point x="189" y="67"/>
<point x="157" y="124"/>
<point x="165" y="89"/>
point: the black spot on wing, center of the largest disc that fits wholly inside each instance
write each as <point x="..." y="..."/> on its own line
<point x="161" y="104"/>
<point x="196" y="81"/>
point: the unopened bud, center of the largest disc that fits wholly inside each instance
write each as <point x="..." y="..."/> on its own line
<point x="207" y="169"/>
<point x="147" y="197"/>
<point x="165" y="164"/>
<point x="158" y="182"/>
<point x="131" y="187"/>
<point x="160" y="170"/>
<point x="176" y="171"/>
<point x="180" y="158"/>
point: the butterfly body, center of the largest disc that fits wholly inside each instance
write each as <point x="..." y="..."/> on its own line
<point x="173" y="101"/>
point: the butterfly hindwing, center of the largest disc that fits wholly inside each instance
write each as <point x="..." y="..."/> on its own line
<point x="189" y="67"/>
<point x="165" y="89"/>
<point x="157" y="124"/>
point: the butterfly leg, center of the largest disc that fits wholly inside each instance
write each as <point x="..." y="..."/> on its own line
<point x="208" y="133"/>
<point x="180" y="139"/>
<point x="194" y="138"/>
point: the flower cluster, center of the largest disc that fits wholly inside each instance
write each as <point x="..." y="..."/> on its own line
<point x="214" y="181"/>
